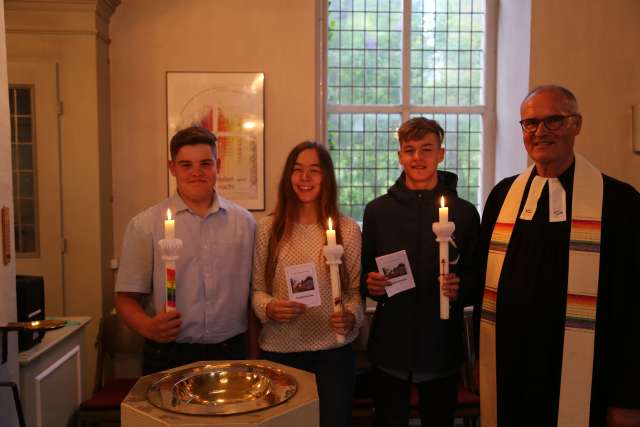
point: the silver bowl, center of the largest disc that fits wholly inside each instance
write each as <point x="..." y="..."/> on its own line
<point x="222" y="389"/>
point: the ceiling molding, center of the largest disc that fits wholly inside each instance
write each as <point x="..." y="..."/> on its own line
<point x="60" y="17"/>
<point x="102" y="8"/>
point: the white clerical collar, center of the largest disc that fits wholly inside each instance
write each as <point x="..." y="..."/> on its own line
<point x="557" y="199"/>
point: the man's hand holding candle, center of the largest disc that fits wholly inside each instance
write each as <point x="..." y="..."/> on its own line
<point x="376" y="284"/>
<point x="451" y="285"/>
<point x="163" y="327"/>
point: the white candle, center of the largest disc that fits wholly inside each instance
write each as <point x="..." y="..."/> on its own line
<point x="169" y="226"/>
<point x="331" y="235"/>
<point x="444" y="269"/>
<point x="334" y="272"/>
<point x="443" y="211"/>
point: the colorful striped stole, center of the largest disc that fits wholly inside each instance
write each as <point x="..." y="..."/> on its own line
<point x="584" y="264"/>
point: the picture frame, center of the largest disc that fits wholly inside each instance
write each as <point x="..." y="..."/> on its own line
<point x="231" y="105"/>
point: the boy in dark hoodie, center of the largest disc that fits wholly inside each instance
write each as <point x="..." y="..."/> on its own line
<point x="409" y="343"/>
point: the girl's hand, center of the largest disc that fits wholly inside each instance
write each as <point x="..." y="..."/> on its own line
<point x="284" y="311"/>
<point x="343" y="321"/>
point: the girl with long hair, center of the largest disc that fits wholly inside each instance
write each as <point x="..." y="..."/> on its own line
<point x="292" y="334"/>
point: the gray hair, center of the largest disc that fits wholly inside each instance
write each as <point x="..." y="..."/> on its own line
<point x="561" y="90"/>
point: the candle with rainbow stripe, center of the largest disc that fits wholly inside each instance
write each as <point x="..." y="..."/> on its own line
<point x="170" y="266"/>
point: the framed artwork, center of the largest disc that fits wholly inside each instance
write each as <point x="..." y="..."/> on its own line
<point x="231" y="105"/>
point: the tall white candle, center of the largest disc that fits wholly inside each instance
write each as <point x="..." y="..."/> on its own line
<point x="170" y="265"/>
<point x="444" y="269"/>
<point x="334" y="271"/>
<point x="169" y="226"/>
<point x="444" y="261"/>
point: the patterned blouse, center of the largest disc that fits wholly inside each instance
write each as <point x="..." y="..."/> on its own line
<point x="312" y="330"/>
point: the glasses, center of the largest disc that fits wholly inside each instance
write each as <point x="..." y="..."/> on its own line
<point x="554" y="122"/>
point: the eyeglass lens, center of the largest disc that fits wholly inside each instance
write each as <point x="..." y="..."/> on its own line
<point x="554" y="122"/>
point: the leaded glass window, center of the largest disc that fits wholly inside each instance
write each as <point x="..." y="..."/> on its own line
<point x="24" y="169"/>
<point x="388" y="61"/>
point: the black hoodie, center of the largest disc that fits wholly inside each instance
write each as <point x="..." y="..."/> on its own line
<point x="407" y="333"/>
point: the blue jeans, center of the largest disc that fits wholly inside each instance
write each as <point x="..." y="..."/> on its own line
<point x="335" y="378"/>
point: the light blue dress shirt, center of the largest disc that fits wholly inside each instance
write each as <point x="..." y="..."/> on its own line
<point x="213" y="273"/>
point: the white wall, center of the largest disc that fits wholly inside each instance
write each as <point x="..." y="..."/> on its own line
<point x="514" y="26"/>
<point x="150" y="37"/>
<point x="589" y="47"/>
<point x="8" y="371"/>
<point x="592" y="48"/>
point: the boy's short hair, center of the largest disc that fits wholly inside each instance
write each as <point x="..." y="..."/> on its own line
<point x="193" y="135"/>
<point x="416" y="128"/>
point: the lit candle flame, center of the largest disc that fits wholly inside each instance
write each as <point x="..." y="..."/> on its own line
<point x="442" y="201"/>
<point x="330" y="224"/>
<point x="168" y="214"/>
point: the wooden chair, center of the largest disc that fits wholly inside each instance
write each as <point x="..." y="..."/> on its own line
<point x="116" y="345"/>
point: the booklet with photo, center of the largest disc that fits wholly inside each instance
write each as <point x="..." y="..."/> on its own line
<point x="396" y="268"/>
<point x="302" y="284"/>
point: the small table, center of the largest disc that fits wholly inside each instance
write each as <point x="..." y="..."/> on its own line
<point x="51" y="375"/>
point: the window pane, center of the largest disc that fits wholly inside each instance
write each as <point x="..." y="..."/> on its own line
<point x="451" y="33"/>
<point x="463" y="139"/>
<point x="365" y="79"/>
<point x="364" y="157"/>
<point x="28" y="211"/>
<point x="23" y="170"/>
<point x="24" y="236"/>
<point x="23" y="101"/>
<point x="24" y="157"/>
<point x="24" y="129"/>
<point x="366" y="36"/>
